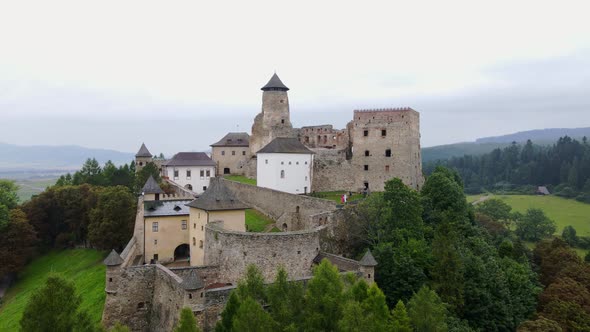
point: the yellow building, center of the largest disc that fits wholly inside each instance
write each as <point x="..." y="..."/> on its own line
<point x="166" y="231"/>
<point x="218" y="203"/>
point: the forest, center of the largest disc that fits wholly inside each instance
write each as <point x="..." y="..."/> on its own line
<point x="563" y="167"/>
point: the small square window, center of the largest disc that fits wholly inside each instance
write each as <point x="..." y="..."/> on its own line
<point x="365" y="133"/>
<point x="366" y="153"/>
<point x="243" y="153"/>
<point x="204" y="188"/>
<point x="223" y="153"/>
<point x="388" y="153"/>
<point x="383" y="132"/>
<point x="266" y="161"/>
<point x="282" y="163"/>
<point x="183" y="224"/>
<point x="208" y="173"/>
<point x="387" y="168"/>
<point x="233" y="153"/>
<point x="155" y="241"/>
<point x="366" y="167"/>
<point x="176" y="174"/>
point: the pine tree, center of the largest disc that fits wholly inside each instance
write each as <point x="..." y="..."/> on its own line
<point x="286" y="300"/>
<point x="187" y="322"/>
<point x="427" y="312"/>
<point x="250" y="317"/>
<point x="228" y="313"/>
<point x="55" y="307"/>
<point x="401" y="321"/>
<point x="324" y="298"/>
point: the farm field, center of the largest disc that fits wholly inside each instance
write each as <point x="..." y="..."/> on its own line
<point x="83" y="266"/>
<point x="32" y="186"/>
<point x="564" y="211"/>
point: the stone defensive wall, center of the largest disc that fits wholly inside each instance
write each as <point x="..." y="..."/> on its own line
<point x="233" y="251"/>
<point x="332" y="170"/>
<point x="291" y="212"/>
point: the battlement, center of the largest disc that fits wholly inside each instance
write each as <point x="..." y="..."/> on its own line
<point x="393" y="109"/>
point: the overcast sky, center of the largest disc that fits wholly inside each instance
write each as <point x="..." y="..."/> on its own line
<point x="179" y="75"/>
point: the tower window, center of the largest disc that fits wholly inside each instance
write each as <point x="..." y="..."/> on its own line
<point x="282" y="120"/>
<point x="365" y="133"/>
<point x="282" y="174"/>
<point x="366" y="167"/>
<point x="366" y="153"/>
<point x="188" y="174"/>
<point x="194" y="241"/>
<point x="176" y="174"/>
<point x="243" y="153"/>
<point x="183" y="224"/>
<point x="388" y="153"/>
<point x="266" y="161"/>
<point x="233" y="153"/>
<point x="383" y="132"/>
<point x="140" y="163"/>
<point x="201" y="244"/>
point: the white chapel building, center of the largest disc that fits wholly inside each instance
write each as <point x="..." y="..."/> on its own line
<point x="191" y="170"/>
<point x="285" y="164"/>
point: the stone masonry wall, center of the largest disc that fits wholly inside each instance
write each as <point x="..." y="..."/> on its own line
<point x="168" y="299"/>
<point x="294" y="211"/>
<point x="332" y="171"/>
<point x="234" y="251"/>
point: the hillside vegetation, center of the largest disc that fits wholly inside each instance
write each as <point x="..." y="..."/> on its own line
<point x="83" y="266"/>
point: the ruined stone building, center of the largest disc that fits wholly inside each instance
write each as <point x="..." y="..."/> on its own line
<point x="375" y="146"/>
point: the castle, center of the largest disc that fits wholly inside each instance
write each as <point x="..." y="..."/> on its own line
<point x="190" y="247"/>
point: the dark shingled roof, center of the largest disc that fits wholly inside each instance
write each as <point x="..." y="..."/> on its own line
<point x="152" y="187"/>
<point x="113" y="259"/>
<point x="143" y="151"/>
<point x="190" y="159"/>
<point x="192" y="281"/>
<point x="217" y="197"/>
<point x="368" y="259"/>
<point x="285" y="145"/>
<point x="275" y="84"/>
<point x="165" y="208"/>
<point x="234" y="139"/>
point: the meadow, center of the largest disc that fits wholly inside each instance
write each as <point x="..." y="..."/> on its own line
<point x="563" y="211"/>
<point x="256" y="221"/>
<point x="82" y="266"/>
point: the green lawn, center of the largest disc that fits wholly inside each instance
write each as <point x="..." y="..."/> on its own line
<point x="335" y="195"/>
<point x="83" y="266"/>
<point x="256" y="221"/>
<point x="241" y="178"/>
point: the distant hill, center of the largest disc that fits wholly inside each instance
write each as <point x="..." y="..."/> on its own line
<point x="487" y="144"/>
<point x="15" y="158"/>
<point x="539" y="136"/>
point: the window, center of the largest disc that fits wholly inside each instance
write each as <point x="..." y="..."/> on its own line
<point x="297" y="163"/>
<point x="289" y="163"/>
<point x="306" y="163"/>
<point x="365" y="133"/>
<point x="383" y="132"/>
<point x="201" y="244"/>
<point x="155" y="241"/>
<point x="183" y="224"/>
<point x="388" y="153"/>
<point x="154" y="226"/>
<point x="243" y="153"/>
<point x="195" y="225"/>
<point x="156" y="257"/>
<point x="188" y="174"/>
<point x="204" y="188"/>
<point x="282" y="163"/>
<point x="366" y="153"/>
<point x="366" y="167"/>
<point x="266" y="161"/>
<point x="208" y="173"/>
<point x="223" y="153"/>
<point x="282" y="174"/>
<point x="190" y="296"/>
<point x="202" y="228"/>
<point x="282" y="120"/>
<point x="233" y="153"/>
<point x="176" y="174"/>
<point x="202" y="173"/>
<point x="194" y="241"/>
<point x="140" y="163"/>
<point x="387" y="168"/>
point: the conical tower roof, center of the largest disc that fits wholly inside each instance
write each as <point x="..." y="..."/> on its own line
<point x="143" y="151"/>
<point x="113" y="259"/>
<point x="217" y="197"/>
<point x="368" y="259"/>
<point x="275" y="83"/>
<point x="152" y="187"/>
<point x="192" y="281"/>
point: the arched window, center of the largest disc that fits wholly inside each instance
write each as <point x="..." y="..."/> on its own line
<point x="282" y="174"/>
<point x="200" y="243"/>
<point x="194" y="241"/>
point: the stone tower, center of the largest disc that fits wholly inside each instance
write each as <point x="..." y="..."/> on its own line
<point x="142" y="157"/>
<point x="274" y="120"/>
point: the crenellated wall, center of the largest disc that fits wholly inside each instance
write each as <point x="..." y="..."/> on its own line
<point x="234" y="251"/>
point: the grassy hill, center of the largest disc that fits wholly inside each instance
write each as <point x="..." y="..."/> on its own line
<point x="564" y="211"/>
<point x="83" y="266"/>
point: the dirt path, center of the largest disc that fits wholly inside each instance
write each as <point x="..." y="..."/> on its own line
<point x="481" y="199"/>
